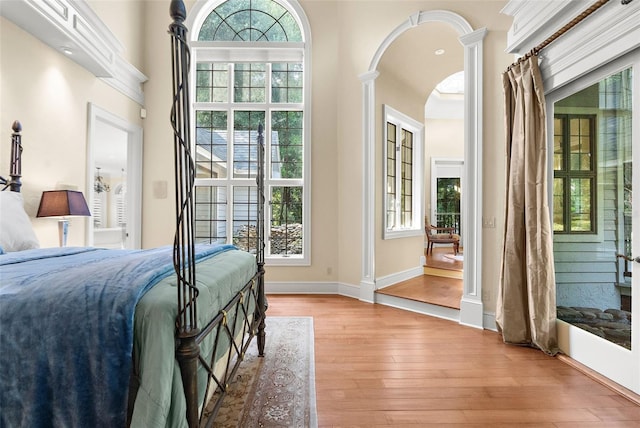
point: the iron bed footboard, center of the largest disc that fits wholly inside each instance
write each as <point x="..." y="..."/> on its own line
<point x="188" y="334"/>
<point x="247" y="307"/>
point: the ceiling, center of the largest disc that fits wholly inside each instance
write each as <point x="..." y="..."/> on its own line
<point x="411" y="58"/>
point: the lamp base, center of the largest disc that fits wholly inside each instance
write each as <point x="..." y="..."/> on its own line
<point x="63" y="229"/>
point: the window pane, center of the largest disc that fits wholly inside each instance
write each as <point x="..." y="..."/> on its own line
<point x="589" y="275"/>
<point x="255" y="20"/>
<point x="286" y="144"/>
<point x="580" y="197"/>
<point x="212" y="82"/>
<point x="558" y="142"/>
<point x="448" y="203"/>
<point x="558" y="205"/>
<point x="286" y="83"/>
<point x="211" y="214"/>
<point x="391" y="175"/>
<point x="391" y="155"/>
<point x="211" y="144"/>
<point x="249" y="83"/>
<point x="245" y="214"/>
<point x="406" y="208"/>
<point x="286" y="220"/>
<point x="245" y="146"/>
<point x="581" y="143"/>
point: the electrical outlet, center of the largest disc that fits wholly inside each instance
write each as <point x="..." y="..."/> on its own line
<point x="489" y="222"/>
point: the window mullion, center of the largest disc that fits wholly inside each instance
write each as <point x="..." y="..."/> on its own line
<point x="566" y="176"/>
<point x="398" y="204"/>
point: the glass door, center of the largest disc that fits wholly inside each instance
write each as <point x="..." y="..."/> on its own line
<point x="446" y="193"/>
<point x="595" y="145"/>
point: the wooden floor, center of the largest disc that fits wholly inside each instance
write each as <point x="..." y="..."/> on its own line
<point x="378" y="366"/>
<point x="437" y="290"/>
<point x="440" y="258"/>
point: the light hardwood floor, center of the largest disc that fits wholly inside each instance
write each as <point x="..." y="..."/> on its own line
<point x="385" y="367"/>
<point x="435" y="288"/>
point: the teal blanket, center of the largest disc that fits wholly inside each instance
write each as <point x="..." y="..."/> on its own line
<point x="67" y="331"/>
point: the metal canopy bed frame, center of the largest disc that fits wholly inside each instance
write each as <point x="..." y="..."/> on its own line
<point x="232" y="329"/>
<point x="188" y="334"/>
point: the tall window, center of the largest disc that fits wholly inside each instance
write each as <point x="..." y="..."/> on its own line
<point x="250" y="68"/>
<point x="403" y="175"/>
<point x="574" y="181"/>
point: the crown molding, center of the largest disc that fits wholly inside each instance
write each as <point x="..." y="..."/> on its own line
<point x="608" y="33"/>
<point x="72" y="25"/>
<point x="534" y="21"/>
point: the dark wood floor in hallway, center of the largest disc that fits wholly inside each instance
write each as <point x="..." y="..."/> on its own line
<point x="378" y="366"/>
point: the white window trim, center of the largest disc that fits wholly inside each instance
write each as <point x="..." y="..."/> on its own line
<point x="257" y="52"/>
<point x="405" y="122"/>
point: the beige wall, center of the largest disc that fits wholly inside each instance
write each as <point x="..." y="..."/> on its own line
<point x="393" y="255"/>
<point x="494" y="164"/>
<point x="123" y="18"/>
<point x="49" y="94"/>
<point x="158" y="158"/>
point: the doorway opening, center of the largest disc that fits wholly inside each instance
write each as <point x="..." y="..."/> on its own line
<point x="471" y="307"/>
<point x="592" y="131"/>
<point x="114" y="181"/>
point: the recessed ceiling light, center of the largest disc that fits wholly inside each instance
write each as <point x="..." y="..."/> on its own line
<point x="66" y="50"/>
<point x="439" y="52"/>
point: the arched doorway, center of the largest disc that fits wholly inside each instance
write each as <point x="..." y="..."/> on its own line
<point x="471" y="307"/>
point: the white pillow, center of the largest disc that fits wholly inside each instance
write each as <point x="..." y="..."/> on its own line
<point x="16" y="232"/>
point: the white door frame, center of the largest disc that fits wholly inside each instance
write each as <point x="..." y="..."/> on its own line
<point x="471" y="307"/>
<point x="134" y="172"/>
<point x="612" y="361"/>
<point x="450" y="163"/>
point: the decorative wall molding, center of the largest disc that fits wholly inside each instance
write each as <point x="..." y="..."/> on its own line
<point x="72" y="28"/>
<point x="608" y="33"/>
<point x="472" y="40"/>
<point x="534" y="21"/>
<point x="603" y="43"/>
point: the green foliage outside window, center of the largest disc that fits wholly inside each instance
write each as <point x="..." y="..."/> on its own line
<point x="250" y="21"/>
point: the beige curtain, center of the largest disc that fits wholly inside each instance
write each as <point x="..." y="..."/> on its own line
<point x="526" y="309"/>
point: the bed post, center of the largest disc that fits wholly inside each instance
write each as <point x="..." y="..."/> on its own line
<point x="15" y="173"/>
<point x="184" y="243"/>
<point x="261" y="303"/>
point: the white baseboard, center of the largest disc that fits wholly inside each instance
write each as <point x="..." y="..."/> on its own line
<point x="298" y="287"/>
<point x="489" y="321"/>
<point x="419" y="307"/>
<point x="386" y="281"/>
<point x="473" y="313"/>
<point x="356" y="292"/>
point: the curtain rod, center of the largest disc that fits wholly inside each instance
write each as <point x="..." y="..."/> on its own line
<point x="575" y="21"/>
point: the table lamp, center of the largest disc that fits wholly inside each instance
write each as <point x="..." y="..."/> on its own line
<point x="63" y="204"/>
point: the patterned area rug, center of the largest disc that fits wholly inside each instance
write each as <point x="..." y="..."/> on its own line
<point x="277" y="390"/>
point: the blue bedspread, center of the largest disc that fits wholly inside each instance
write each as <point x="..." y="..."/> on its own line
<point x="66" y="332"/>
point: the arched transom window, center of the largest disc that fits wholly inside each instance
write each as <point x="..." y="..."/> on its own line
<point x="251" y="58"/>
<point x="250" y="21"/>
